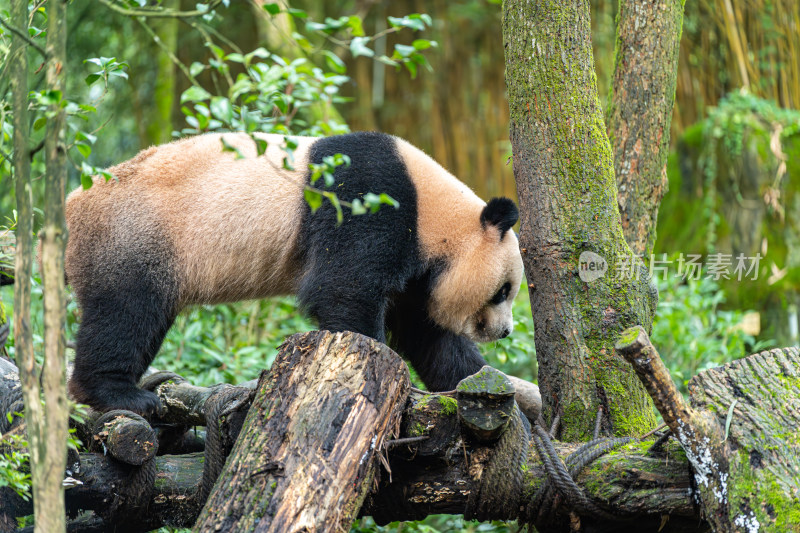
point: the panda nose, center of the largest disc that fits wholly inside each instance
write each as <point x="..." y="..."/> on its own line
<point x="506" y="333"/>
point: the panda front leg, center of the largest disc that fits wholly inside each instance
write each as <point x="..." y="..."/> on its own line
<point x="358" y="309"/>
<point x="120" y="333"/>
<point x="440" y="357"/>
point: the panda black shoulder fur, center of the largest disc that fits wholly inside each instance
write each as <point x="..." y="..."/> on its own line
<point x="186" y="223"/>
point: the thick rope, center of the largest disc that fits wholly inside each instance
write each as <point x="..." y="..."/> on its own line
<point x="503" y="475"/>
<point x="562" y="488"/>
<point x="132" y="495"/>
<point x="216" y="407"/>
<point x="543" y="501"/>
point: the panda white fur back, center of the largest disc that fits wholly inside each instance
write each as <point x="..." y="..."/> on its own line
<point x="187" y="223"/>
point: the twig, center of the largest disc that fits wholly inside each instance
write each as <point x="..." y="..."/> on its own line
<point x="160" y="13"/>
<point x="659" y="428"/>
<point x="406" y="440"/>
<point x="19" y="33"/>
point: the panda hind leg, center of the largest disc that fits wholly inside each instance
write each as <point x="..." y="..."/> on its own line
<point x="119" y="336"/>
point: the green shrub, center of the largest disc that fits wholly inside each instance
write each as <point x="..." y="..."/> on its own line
<point x="692" y="333"/>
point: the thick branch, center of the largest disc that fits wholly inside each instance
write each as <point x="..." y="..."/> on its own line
<point x="307" y="453"/>
<point x="436" y="466"/>
<point x="738" y="436"/>
<point x="436" y="476"/>
<point x="640" y="111"/>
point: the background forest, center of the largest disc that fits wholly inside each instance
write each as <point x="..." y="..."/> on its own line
<point x="438" y="81"/>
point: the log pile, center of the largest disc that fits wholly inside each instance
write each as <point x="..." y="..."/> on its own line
<point x="334" y="433"/>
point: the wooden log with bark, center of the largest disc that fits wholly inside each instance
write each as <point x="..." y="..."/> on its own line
<point x="308" y="451"/>
<point x="740" y="434"/>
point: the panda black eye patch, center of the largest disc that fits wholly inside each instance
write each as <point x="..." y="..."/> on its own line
<point x="501" y="295"/>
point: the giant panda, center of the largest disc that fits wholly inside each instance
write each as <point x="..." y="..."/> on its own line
<point x="188" y="223"/>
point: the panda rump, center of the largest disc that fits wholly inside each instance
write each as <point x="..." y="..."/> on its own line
<point x="190" y="223"/>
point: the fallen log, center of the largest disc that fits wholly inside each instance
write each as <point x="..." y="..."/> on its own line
<point x="740" y="434"/>
<point x="307" y="453"/>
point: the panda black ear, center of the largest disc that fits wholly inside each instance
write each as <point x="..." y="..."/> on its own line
<point x="501" y="213"/>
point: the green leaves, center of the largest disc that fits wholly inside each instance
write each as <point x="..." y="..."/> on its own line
<point x="14" y="465"/>
<point x="109" y="67"/>
<point x="194" y="94"/>
<point x="358" y="47"/>
<point x="415" y="21"/>
<point x="410" y="55"/>
<point x="313" y="198"/>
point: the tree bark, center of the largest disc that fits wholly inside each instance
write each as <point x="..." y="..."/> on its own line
<point x="47" y="421"/>
<point x="23" y="258"/>
<point x="739" y="434"/>
<point x="569" y="220"/>
<point x="307" y="453"/>
<point x="640" y="112"/>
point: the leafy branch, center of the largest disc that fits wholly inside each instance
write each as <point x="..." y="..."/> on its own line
<point x="159" y="12"/>
<point x="21" y="34"/>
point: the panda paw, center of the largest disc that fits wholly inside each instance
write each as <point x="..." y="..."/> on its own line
<point x="141" y="402"/>
<point x="117" y="396"/>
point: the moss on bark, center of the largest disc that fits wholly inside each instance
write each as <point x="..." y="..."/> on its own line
<point x="564" y="169"/>
<point x="640" y="111"/>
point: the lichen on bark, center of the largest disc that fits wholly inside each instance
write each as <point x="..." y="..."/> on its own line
<point x="564" y="170"/>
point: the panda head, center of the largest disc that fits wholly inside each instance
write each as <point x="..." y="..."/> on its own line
<point x="473" y="294"/>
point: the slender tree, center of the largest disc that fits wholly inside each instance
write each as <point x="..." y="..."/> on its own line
<point x="23" y="263"/>
<point x="47" y="423"/>
<point x="564" y="170"/>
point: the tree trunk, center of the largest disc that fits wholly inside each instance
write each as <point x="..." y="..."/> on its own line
<point x="570" y="223"/>
<point x="47" y="422"/>
<point x="155" y="96"/>
<point x="23" y="258"/>
<point x="307" y="453"/>
<point x="640" y="112"/>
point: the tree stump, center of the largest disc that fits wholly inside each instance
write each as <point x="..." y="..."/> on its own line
<point x="740" y="434"/>
<point x="307" y="454"/>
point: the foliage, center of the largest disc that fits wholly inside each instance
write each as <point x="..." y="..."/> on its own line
<point x="14" y="470"/>
<point x="738" y="118"/>
<point x="229" y="343"/>
<point x="734" y="190"/>
<point x="692" y="333"/>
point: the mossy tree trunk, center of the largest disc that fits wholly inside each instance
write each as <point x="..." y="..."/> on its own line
<point x="564" y="170"/>
<point x="640" y="112"/>
<point x="155" y="97"/>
